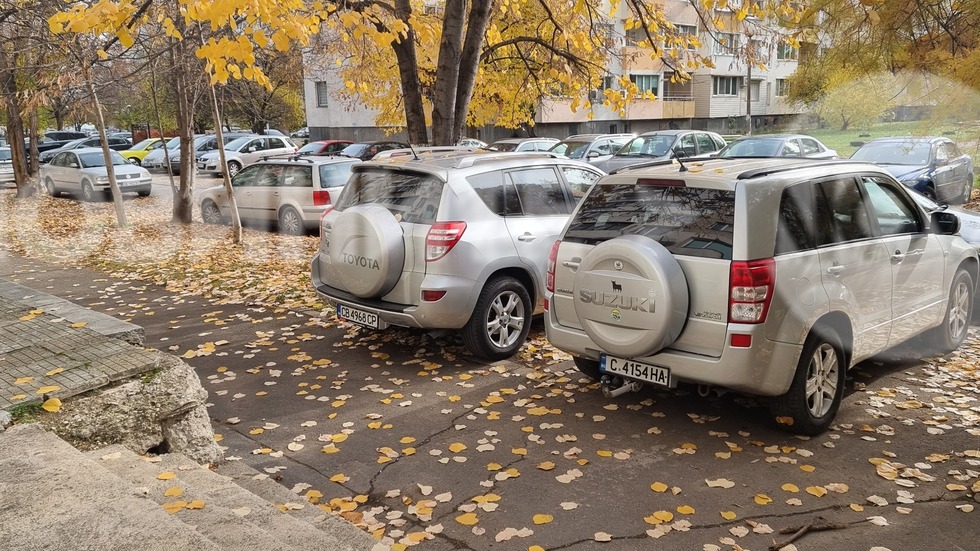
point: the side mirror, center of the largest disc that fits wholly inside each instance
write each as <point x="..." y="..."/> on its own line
<point x="72" y="165"/>
<point x="593" y="154"/>
<point x="942" y="161"/>
<point x="679" y="153"/>
<point x="945" y="223"/>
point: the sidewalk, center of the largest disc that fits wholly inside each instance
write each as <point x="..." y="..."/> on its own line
<point x="52" y="347"/>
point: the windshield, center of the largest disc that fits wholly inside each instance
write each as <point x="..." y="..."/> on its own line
<point x="145" y="143"/>
<point x="74" y="143"/>
<point x="752" y="148"/>
<point x="174" y="143"/>
<point x="894" y="153"/>
<point x="310" y="148"/>
<point x="572" y="150"/>
<point x="96" y="159"/>
<point x="657" y="145"/>
<point x="238" y="143"/>
<point x="354" y="150"/>
<point x="5" y="155"/>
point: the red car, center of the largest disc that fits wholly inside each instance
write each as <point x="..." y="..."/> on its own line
<point x="324" y="147"/>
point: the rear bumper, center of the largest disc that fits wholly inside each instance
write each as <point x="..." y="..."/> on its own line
<point x="765" y="369"/>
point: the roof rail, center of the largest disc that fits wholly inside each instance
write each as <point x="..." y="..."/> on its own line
<point x="483" y="155"/>
<point x="759" y="172"/>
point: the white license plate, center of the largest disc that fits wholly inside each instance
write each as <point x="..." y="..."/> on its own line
<point x="360" y="317"/>
<point x="635" y="370"/>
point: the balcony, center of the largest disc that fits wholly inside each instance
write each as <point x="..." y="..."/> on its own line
<point x="558" y="110"/>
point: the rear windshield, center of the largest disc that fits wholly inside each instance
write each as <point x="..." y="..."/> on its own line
<point x="411" y="196"/>
<point x="687" y="221"/>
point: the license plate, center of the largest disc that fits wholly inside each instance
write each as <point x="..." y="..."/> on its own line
<point x="635" y="370"/>
<point x="360" y="317"/>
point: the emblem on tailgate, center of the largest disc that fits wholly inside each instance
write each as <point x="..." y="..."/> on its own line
<point x="618" y="300"/>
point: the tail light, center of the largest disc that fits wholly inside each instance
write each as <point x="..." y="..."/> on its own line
<point x="552" y="261"/>
<point x="750" y="292"/>
<point x="441" y="239"/>
<point x="326" y="211"/>
<point x="321" y="197"/>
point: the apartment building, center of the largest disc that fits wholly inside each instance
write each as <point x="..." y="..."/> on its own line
<point x="715" y="98"/>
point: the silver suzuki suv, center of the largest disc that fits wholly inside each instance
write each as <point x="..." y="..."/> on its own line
<point x="448" y="240"/>
<point x="767" y="276"/>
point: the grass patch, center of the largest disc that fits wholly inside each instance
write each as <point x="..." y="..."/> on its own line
<point x="150" y="375"/>
<point x="840" y="140"/>
<point x="25" y="413"/>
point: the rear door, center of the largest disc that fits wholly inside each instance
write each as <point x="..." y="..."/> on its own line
<point x="536" y="207"/>
<point x="265" y="191"/>
<point x="243" y="186"/>
<point x="854" y="263"/>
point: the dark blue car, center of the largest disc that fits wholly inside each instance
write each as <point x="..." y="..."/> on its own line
<point x="933" y="166"/>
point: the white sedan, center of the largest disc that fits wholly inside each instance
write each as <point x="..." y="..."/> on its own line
<point x="83" y="172"/>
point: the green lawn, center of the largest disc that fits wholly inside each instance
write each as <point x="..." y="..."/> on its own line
<point x="965" y="136"/>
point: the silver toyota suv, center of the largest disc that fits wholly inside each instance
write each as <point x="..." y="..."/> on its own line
<point x="448" y="240"/>
<point x="766" y="276"/>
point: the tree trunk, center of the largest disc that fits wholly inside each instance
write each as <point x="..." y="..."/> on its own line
<point x="475" y="28"/>
<point x="117" y="200"/>
<point x="408" y="71"/>
<point x="447" y="73"/>
<point x="236" y="221"/>
<point x="26" y="187"/>
<point x="183" y="200"/>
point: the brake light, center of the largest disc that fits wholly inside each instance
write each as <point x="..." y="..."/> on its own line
<point x="326" y="211"/>
<point x="552" y="261"/>
<point x="441" y="239"/>
<point x="751" y="287"/>
<point x="321" y="197"/>
<point x="660" y="182"/>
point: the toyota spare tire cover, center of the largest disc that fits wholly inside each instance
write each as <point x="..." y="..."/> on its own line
<point x="631" y="296"/>
<point x="367" y="250"/>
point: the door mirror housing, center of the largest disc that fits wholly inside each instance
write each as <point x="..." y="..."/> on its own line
<point x="945" y="223"/>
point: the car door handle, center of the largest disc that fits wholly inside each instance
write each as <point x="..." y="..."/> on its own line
<point x="572" y="264"/>
<point x="836" y="269"/>
<point x="527" y="237"/>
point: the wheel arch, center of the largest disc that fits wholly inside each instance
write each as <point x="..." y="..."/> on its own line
<point x="521" y="275"/>
<point x="840" y="325"/>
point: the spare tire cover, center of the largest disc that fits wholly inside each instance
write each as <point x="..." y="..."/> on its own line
<point x="631" y="296"/>
<point x="367" y="250"/>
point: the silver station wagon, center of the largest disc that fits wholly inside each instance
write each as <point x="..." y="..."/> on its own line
<point x="771" y="277"/>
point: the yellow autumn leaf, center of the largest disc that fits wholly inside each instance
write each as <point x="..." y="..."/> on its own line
<point x="818" y="491"/>
<point x="604" y="453"/>
<point x="792" y="488"/>
<point x="457" y="447"/>
<point x="339" y="477"/>
<point x="535" y="548"/>
<point x="406" y="440"/>
<point x="855" y="507"/>
<point x="542" y="519"/>
<point x="23" y="380"/>
<point x="80" y="324"/>
<point x="54" y="372"/>
<point x="665" y="516"/>
<point x="166" y="476"/>
<point x="546" y="465"/>
<point x="956" y="487"/>
<point x="196" y="504"/>
<point x="338" y="438"/>
<point x="53" y="405"/>
<point x="48" y="389"/>
<point x="259" y="430"/>
<point x="728" y="515"/>
<point x="685" y="510"/>
<point x="658" y="487"/>
<point x="519" y="451"/>
<point x="762" y="499"/>
<point x="173" y="491"/>
<point x="467" y="519"/>
<point x="494" y="466"/>
<point x="807" y="468"/>
<point x="173" y="507"/>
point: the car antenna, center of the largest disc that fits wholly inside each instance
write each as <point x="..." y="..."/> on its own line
<point x="414" y="153"/>
<point x="680" y="162"/>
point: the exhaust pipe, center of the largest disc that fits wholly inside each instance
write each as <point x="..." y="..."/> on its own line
<point x="616" y="386"/>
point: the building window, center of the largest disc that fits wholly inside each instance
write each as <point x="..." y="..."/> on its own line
<point x="726" y="86"/>
<point x="646" y="83"/>
<point x="782" y="87"/>
<point x="786" y="52"/>
<point x="322" y="94"/>
<point x="685" y="32"/>
<point x="726" y="44"/>
<point x="636" y="35"/>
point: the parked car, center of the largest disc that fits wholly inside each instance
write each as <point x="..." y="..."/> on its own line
<point x="155" y="160"/>
<point x="778" y="145"/>
<point x="933" y="166"/>
<point x="969" y="219"/>
<point x="117" y="144"/>
<point x="54" y="139"/>
<point x="301" y="133"/>
<point x="414" y="151"/>
<point x="292" y="193"/>
<point x="128" y="136"/>
<point x="767" y="276"/>
<point x="523" y="144"/>
<point x="138" y="152"/>
<point x="366" y="150"/>
<point x="6" y="166"/>
<point x="453" y="240"/>
<point x="591" y="148"/>
<point x="471" y="143"/>
<point x="663" y="144"/>
<point x="323" y="147"/>
<point x="244" y="151"/>
<point x="82" y="172"/>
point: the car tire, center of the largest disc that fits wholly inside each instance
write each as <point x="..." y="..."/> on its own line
<point x="959" y="312"/>
<point x="500" y="321"/>
<point x="967" y="190"/>
<point x="811" y="403"/>
<point x="210" y="213"/>
<point x="49" y="186"/>
<point x="290" y="222"/>
<point x="930" y="193"/>
<point x="143" y="193"/>
<point x="234" y="167"/>
<point x="88" y="192"/>
<point x="588" y="367"/>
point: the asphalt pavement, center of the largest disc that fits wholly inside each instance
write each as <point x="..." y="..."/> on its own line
<point x="406" y="435"/>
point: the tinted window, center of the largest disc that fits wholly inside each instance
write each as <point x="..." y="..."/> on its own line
<point x="656" y="145"/>
<point x="892" y="210"/>
<point x="896" y="153"/>
<point x="791" y="149"/>
<point x="267" y="175"/>
<point x="841" y="213"/>
<point x="504" y="146"/>
<point x="246" y="177"/>
<point x="686" y="145"/>
<point x="414" y="196"/>
<point x="276" y="143"/>
<point x="297" y="176"/>
<point x="687" y="221"/>
<point x="489" y="187"/>
<point x="795" y="230"/>
<point x="334" y="174"/>
<point x="810" y="146"/>
<point x="705" y="143"/>
<point x="579" y="179"/>
<point x="539" y="191"/>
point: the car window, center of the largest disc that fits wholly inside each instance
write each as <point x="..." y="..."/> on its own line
<point x="939" y="152"/>
<point x="895" y="153"/>
<point x="705" y="143"/>
<point x="246" y="177"/>
<point x="795" y="230"/>
<point x="657" y="145"/>
<point x="895" y="214"/>
<point x="791" y="149"/>
<point x="276" y="143"/>
<point x="579" y="180"/>
<point x="59" y="160"/>
<point x="334" y="147"/>
<point x="334" y="174"/>
<point x="952" y="150"/>
<point x="841" y="212"/>
<point x="810" y="146"/>
<point x="687" y="221"/>
<point x="489" y="187"/>
<point x="268" y="176"/>
<point x="539" y="191"/>
<point x="686" y="145"/>
<point x="413" y="196"/>
<point x="297" y="176"/>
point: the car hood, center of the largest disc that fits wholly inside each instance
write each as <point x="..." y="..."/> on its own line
<point x="907" y="172"/>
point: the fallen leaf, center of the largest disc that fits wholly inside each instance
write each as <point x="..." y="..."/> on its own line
<point x="467" y="519"/>
<point x="878" y="521"/>
<point x="685" y="510"/>
<point x="53" y="405"/>
<point x="542" y="519"/>
<point x="602" y="536"/>
<point x="720" y="483"/>
<point x="48" y="389"/>
<point x="818" y="491"/>
<point x="166" y="476"/>
<point x="728" y="515"/>
<point x="173" y="491"/>
<point x="659" y="487"/>
<point x="762" y="499"/>
<point x="791" y="488"/>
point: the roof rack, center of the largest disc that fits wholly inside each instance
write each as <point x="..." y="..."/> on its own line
<point x="769" y="170"/>
<point x="483" y="155"/>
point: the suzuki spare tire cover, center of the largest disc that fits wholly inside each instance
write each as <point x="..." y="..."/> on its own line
<point x="631" y="296"/>
<point x="367" y="250"/>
